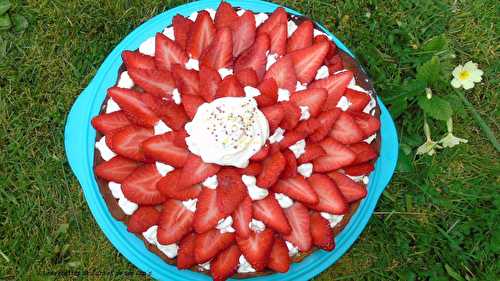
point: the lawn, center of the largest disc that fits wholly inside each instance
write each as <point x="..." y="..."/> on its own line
<point x="435" y="221"/>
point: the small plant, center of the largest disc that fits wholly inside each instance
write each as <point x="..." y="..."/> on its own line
<point x="9" y="20"/>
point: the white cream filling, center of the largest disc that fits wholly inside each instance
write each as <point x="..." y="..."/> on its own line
<point x="169" y="32"/>
<point x="298" y="148"/>
<point x="283" y="95"/>
<point x="240" y="12"/>
<point x="150" y="236"/>
<point x="260" y="18"/>
<point x="300" y="86"/>
<point x="125" y="81"/>
<point x="271" y="59"/>
<point x="304" y="112"/>
<point x="193" y="16"/>
<point x="343" y="103"/>
<point x="283" y="200"/>
<point x="251" y="92"/>
<point x="292" y="26"/>
<point x="277" y="136"/>
<point x="176" y="96"/>
<point x="223" y="72"/>
<point x="190" y="204"/>
<point x="305" y="169"/>
<point x="148" y="47"/>
<point x="128" y="207"/>
<point x="212" y="12"/>
<point x="322" y="72"/>
<point x="211" y="182"/>
<point x="106" y="152"/>
<point x="192" y="64"/>
<point x="370" y="139"/>
<point x="205" y="266"/>
<point x="112" y="106"/>
<point x="256" y="225"/>
<point x="244" y="266"/>
<point x="332" y="219"/>
<point x="161" y="128"/>
<point x="225" y="225"/>
<point x="163" y="169"/>
<point x="292" y="249"/>
<point x="255" y="192"/>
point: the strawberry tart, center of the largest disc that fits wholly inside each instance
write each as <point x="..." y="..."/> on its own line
<point x="235" y="143"/>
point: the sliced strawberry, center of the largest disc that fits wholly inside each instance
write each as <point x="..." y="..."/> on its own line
<point x="128" y="142"/>
<point x="290" y="138"/>
<point x="307" y="61"/>
<point x="225" y="15"/>
<point x="292" y="115"/>
<point x="138" y="60"/>
<point x="274" y="115"/>
<point x="327" y="119"/>
<point x="230" y="87"/>
<point x="207" y="212"/>
<point x="175" y="116"/>
<point x="117" y="169"/>
<point x="244" y="31"/>
<point x="331" y="199"/>
<point x="337" y="156"/>
<point x="351" y="190"/>
<point x="131" y="103"/>
<point x="157" y="104"/>
<point x="191" y="104"/>
<point x="168" y="186"/>
<point x="335" y="64"/>
<point x="219" y="54"/>
<point x="255" y="56"/>
<point x="269" y="211"/>
<point x="142" y="219"/>
<point x="271" y="170"/>
<point x="185" y="256"/>
<point x="175" y="222"/>
<point x="322" y="234"/>
<point x="108" y="122"/>
<point x="296" y="188"/>
<point x="160" y="83"/>
<point x="201" y="35"/>
<point x="242" y="217"/>
<point x="253" y="169"/>
<point x="209" y="82"/>
<point x="298" y="217"/>
<point x="182" y="29"/>
<point x="333" y="48"/>
<point x="359" y="169"/>
<point x="261" y="154"/>
<point x="268" y="93"/>
<point x="358" y="99"/>
<point x="312" y="151"/>
<point x="187" y="81"/>
<point x="278" y="39"/>
<point x="308" y="126"/>
<point x="225" y="264"/>
<point x="314" y="99"/>
<point x="276" y="28"/>
<point x="335" y="85"/>
<point x="257" y="248"/>
<point x="302" y="37"/>
<point x="279" y="16"/>
<point x="345" y="130"/>
<point x="196" y="171"/>
<point x="167" y="53"/>
<point x="210" y="243"/>
<point x="279" y="260"/>
<point x="230" y="190"/>
<point x="180" y="138"/>
<point x="367" y="123"/>
<point x="283" y="73"/>
<point x="247" y="77"/>
<point x="291" y="165"/>
<point x="140" y="186"/>
<point x="364" y="152"/>
<point x="163" y="149"/>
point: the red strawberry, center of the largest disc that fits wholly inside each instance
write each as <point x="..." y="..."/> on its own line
<point x="278" y="39"/>
<point x="182" y="28"/>
<point x="291" y="165"/>
<point x="163" y="149"/>
<point x="167" y="53"/>
<point x="247" y="77"/>
<point x="351" y="190"/>
<point x="175" y="222"/>
<point x="268" y="93"/>
<point x="292" y="115"/>
<point x="207" y="212"/>
<point x="283" y="73"/>
<point x="185" y="256"/>
<point x="322" y="234"/>
<point x="210" y="243"/>
<point x="333" y="48"/>
<point x="335" y="85"/>
<point x="253" y="169"/>
<point x="242" y="217"/>
<point x="209" y="82"/>
<point x="298" y="217"/>
<point x="308" y="127"/>
<point x="274" y="114"/>
<point x="130" y="101"/>
<point x="314" y="99"/>
<point x="261" y="154"/>
<point x="116" y="169"/>
<point x="243" y="33"/>
<point x="168" y="186"/>
<point x="307" y="61"/>
<point x="302" y="37"/>
<point x="230" y="87"/>
<point x="279" y="260"/>
<point x="180" y="138"/>
<point x="127" y="142"/>
<point x="201" y="35"/>
<point x="108" y="122"/>
<point x="297" y="188"/>
<point x="364" y="152"/>
<point x="187" y="81"/>
<point x="137" y="60"/>
<point x="225" y="15"/>
<point x="337" y="156"/>
<point x="271" y="170"/>
<point x="357" y="99"/>
<point x="335" y="64"/>
<point x="230" y="190"/>
<point x="225" y="264"/>
<point x="160" y="83"/>
<point x="219" y="54"/>
<point x="359" y="169"/>
<point x="255" y="56"/>
<point x="290" y="138"/>
<point x="196" y="171"/>
<point x="345" y="130"/>
<point x="367" y="123"/>
<point x="312" y="151"/>
<point x="157" y="104"/>
<point x="175" y="116"/>
<point x="257" y="248"/>
<point x="331" y="199"/>
<point x="140" y="186"/>
<point x="279" y="16"/>
<point x="327" y="119"/>
<point x="269" y="211"/>
<point x="191" y="104"/>
<point x="142" y="219"/>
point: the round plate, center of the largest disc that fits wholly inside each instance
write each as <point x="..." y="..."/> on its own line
<point x="79" y="140"/>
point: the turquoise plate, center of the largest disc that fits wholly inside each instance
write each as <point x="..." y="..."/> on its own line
<point x="79" y="139"/>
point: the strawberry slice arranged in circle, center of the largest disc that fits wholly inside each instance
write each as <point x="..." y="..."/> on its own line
<point x="307" y="61"/>
<point x="326" y="119"/>
<point x="314" y="99"/>
<point x="128" y="142"/>
<point x="226" y="263"/>
<point x="321" y="233"/>
<point x="187" y="80"/>
<point x="268" y="93"/>
<point x="351" y="190"/>
<point x="163" y="148"/>
<point x="367" y="123"/>
<point x="269" y="211"/>
<point x="271" y="170"/>
<point x="117" y="169"/>
<point x="109" y="122"/>
<point x="331" y="199"/>
<point x="274" y="115"/>
<point x="185" y="256"/>
<point x="140" y="186"/>
<point x="279" y="260"/>
<point x="168" y="186"/>
<point x="359" y="169"/>
<point x="182" y="29"/>
<point x="175" y="222"/>
<point x="255" y="56"/>
<point x="168" y="53"/>
<point x="247" y="77"/>
<point x="219" y="54"/>
<point x="337" y="156"/>
<point x="230" y="87"/>
<point x="364" y="152"/>
<point x="207" y="212"/>
<point x="196" y="171"/>
<point x="283" y="73"/>
<point x="191" y="104"/>
<point x="345" y="130"/>
<point x="211" y="243"/>
<point x="138" y="60"/>
<point x="297" y="188"/>
<point x="302" y="37"/>
<point x="298" y="217"/>
<point x="335" y="85"/>
<point x="242" y="217"/>
<point x="225" y="15"/>
<point x="131" y="103"/>
<point x="230" y="190"/>
<point x="201" y="35"/>
<point x="160" y="83"/>
<point x="209" y="82"/>
<point x="142" y="219"/>
<point x="312" y="151"/>
<point x="358" y="99"/>
<point x="244" y="32"/>
<point x="257" y="248"/>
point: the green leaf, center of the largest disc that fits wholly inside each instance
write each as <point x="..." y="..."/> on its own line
<point x="430" y="71"/>
<point x="398" y="106"/>
<point x="453" y="274"/>
<point x="20" y="23"/>
<point x="436" y="44"/>
<point x="5" y="22"/>
<point x="4" y="6"/>
<point x="404" y="162"/>
<point x="3" y="47"/>
<point x="437" y="108"/>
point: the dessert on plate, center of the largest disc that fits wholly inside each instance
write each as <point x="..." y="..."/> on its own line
<point x="235" y="143"/>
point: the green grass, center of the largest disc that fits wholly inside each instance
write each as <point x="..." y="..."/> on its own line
<point x="437" y="221"/>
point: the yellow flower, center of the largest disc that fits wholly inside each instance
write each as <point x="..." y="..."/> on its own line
<point x="466" y="75"/>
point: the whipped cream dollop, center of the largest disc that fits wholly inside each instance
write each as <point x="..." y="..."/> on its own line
<point x="190" y="204"/>
<point x="223" y="72"/>
<point x="305" y="169"/>
<point x="112" y="106"/>
<point x="169" y="250"/>
<point x="169" y="32"/>
<point x="163" y="168"/>
<point x="125" y="81"/>
<point x="225" y="225"/>
<point x="193" y="64"/>
<point x="148" y="47"/>
<point x="176" y="96"/>
<point x="106" y="152"/>
<point x="161" y="128"/>
<point x="251" y="92"/>
<point x="256" y="225"/>
<point x="298" y="148"/>
<point x="283" y="95"/>
<point x="255" y="192"/>
<point x="277" y="136"/>
<point x="244" y="266"/>
<point x="128" y="207"/>
<point x="332" y="219"/>
<point x="292" y="249"/>
<point x="211" y="182"/>
<point x="227" y="131"/>
<point x="304" y="112"/>
<point x="283" y="200"/>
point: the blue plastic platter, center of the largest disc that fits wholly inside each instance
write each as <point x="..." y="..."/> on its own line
<point x="80" y="138"/>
